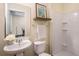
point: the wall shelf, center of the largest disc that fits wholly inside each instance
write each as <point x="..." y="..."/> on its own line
<point x="42" y="19"/>
<point x="64" y="23"/>
<point x="64" y="29"/>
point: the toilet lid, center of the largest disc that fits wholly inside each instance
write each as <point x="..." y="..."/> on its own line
<point x="44" y="54"/>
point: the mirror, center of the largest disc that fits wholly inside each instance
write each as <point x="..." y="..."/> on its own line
<point x="17" y="19"/>
<point x="15" y="24"/>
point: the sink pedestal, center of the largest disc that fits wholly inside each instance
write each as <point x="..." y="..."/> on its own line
<point x="19" y="54"/>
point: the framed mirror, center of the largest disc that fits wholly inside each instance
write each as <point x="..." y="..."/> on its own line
<point x="17" y="19"/>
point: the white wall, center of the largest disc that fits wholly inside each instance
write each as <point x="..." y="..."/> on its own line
<point x="73" y="42"/>
<point x="65" y="40"/>
<point x="56" y="14"/>
<point x="62" y="40"/>
<point x="57" y="33"/>
<point x="67" y="32"/>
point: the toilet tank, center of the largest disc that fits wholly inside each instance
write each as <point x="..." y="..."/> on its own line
<point x="39" y="46"/>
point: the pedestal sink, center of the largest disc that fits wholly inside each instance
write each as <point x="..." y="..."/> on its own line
<point x="17" y="48"/>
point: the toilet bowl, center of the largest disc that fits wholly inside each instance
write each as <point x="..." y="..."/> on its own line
<point x="39" y="48"/>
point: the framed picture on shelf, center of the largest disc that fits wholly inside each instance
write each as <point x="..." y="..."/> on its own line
<point x="41" y="11"/>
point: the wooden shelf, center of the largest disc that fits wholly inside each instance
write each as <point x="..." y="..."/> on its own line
<point x="42" y="19"/>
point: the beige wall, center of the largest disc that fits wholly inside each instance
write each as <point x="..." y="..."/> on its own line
<point x="2" y="22"/>
<point x="72" y="7"/>
<point x="53" y="8"/>
<point x="64" y="7"/>
<point x="56" y="8"/>
<point x="32" y="27"/>
<point x="34" y="24"/>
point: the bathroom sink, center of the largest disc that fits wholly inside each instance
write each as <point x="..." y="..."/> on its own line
<point x="17" y="47"/>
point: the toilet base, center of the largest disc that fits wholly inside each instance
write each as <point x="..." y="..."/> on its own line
<point x="44" y="54"/>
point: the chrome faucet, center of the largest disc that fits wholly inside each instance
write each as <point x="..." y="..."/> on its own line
<point x="18" y="41"/>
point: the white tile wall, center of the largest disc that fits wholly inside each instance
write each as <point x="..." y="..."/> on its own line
<point x="65" y="40"/>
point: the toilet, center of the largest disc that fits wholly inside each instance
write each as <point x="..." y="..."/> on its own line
<point x="39" y="48"/>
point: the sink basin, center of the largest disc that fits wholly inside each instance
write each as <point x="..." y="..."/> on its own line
<point x="17" y="47"/>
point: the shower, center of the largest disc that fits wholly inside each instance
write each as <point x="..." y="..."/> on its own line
<point x="66" y="34"/>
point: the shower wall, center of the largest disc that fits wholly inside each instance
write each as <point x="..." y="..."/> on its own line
<point x="66" y="33"/>
<point x="74" y="31"/>
<point x="65" y="28"/>
<point x="62" y="32"/>
<point x="71" y="33"/>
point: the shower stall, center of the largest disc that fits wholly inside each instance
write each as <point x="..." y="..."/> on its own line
<point x="66" y="34"/>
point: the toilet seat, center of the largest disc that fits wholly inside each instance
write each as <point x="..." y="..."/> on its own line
<point x="44" y="54"/>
